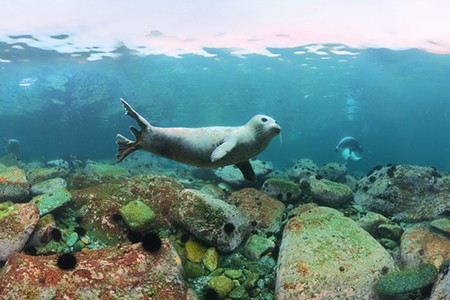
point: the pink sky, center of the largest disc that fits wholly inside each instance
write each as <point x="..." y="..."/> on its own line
<point x="248" y="26"/>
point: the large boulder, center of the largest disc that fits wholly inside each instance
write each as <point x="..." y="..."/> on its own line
<point x="14" y="185"/>
<point x="17" y="222"/>
<point x="125" y="271"/>
<point x="324" y="255"/>
<point x="210" y="219"/>
<point x="233" y="176"/>
<point x="405" y="192"/>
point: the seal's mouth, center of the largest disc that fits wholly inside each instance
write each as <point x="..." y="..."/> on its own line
<point x="277" y="129"/>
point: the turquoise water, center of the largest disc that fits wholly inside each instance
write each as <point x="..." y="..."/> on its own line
<point x="396" y="103"/>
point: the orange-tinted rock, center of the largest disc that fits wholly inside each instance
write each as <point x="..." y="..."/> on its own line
<point x="125" y="271"/>
<point x="420" y="244"/>
<point x="17" y="222"/>
<point x="264" y="210"/>
<point x="14" y="185"/>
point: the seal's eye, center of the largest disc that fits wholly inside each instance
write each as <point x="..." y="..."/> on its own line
<point x="264" y="119"/>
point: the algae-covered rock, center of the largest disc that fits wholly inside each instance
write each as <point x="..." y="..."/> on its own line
<point x="441" y="287"/>
<point x="14" y="185"/>
<point x="442" y="225"/>
<point x="222" y="285"/>
<point x="210" y="219"/>
<point x="390" y="231"/>
<point x="265" y="213"/>
<point x="38" y="174"/>
<point x="99" y="205"/>
<point x="17" y="222"/>
<point x="302" y="169"/>
<point x="406" y="193"/>
<point x="195" y="250"/>
<point x="333" y="171"/>
<point x="211" y="259"/>
<point x="124" y="271"/>
<point x="329" y="193"/>
<point x="371" y="221"/>
<point x="233" y="176"/>
<point x="48" y="186"/>
<point x="328" y="256"/>
<point x="405" y="281"/>
<point x="256" y="246"/>
<point x="281" y="189"/>
<point x="137" y="215"/>
<point x="42" y="232"/>
<point x="50" y="201"/>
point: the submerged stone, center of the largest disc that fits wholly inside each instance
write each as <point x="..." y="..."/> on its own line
<point x="222" y="285"/>
<point x="281" y="189"/>
<point x="442" y="225"/>
<point x="405" y="281"/>
<point x="210" y="219"/>
<point x="137" y="215"/>
<point x="14" y="185"/>
<point x="50" y="201"/>
<point x="329" y="193"/>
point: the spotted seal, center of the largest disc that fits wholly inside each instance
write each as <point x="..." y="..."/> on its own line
<point x="207" y="147"/>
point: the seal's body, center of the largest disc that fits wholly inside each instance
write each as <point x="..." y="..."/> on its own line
<point x="349" y="148"/>
<point x="207" y="147"/>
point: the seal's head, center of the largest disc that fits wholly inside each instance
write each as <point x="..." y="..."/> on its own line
<point x="264" y="126"/>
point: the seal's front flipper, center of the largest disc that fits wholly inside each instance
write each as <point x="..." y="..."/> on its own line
<point x="132" y="113"/>
<point x="247" y="170"/>
<point x="223" y="149"/>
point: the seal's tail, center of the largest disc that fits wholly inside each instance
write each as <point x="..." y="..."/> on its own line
<point x="124" y="145"/>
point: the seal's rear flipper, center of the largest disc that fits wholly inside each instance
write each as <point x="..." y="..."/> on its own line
<point x="132" y="113"/>
<point x="247" y="170"/>
<point x="125" y="146"/>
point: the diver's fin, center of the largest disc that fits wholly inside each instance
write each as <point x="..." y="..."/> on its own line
<point x="126" y="146"/>
<point x="223" y="149"/>
<point x="132" y="113"/>
<point x="247" y="170"/>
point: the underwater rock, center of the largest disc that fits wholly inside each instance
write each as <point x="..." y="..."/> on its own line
<point x="14" y="185"/>
<point x="17" y="222"/>
<point x="264" y="212"/>
<point x="281" y="189"/>
<point x="96" y="173"/>
<point x="48" y="186"/>
<point x="420" y="244"/>
<point x="325" y="255"/>
<point x="42" y="232"/>
<point x="50" y="201"/>
<point x="137" y="215"/>
<point x="214" y="191"/>
<point x="442" y="224"/>
<point x="441" y="287"/>
<point x="406" y="281"/>
<point x="99" y="205"/>
<point x="333" y="171"/>
<point x="211" y="259"/>
<point x="328" y="192"/>
<point x="233" y="176"/>
<point x="256" y="246"/>
<point x="195" y="250"/>
<point x="38" y="174"/>
<point x="371" y="221"/>
<point x="222" y="285"/>
<point x="9" y="160"/>
<point x="120" y="272"/>
<point x="209" y="219"/>
<point x="303" y="168"/>
<point x="390" y="231"/>
<point x="405" y="192"/>
<point x="58" y="163"/>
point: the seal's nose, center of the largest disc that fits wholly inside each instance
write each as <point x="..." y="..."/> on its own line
<point x="277" y="128"/>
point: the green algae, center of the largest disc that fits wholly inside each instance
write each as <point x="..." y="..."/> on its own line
<point x="406" y="281"/>
<point x="137" y="215"/>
